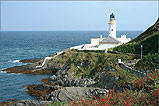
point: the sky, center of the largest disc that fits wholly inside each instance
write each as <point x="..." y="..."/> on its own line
<point x="77" y="15"/>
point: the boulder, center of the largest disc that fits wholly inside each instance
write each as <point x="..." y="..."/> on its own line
<point x="30" y="103"/>
<point x="68" y="94"/>
<point x="26" y="103"/>
<point x="64" y="78"/>
<point x="106" y="80"/>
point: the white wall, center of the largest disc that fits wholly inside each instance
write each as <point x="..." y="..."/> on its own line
<point x="112" y="30"/>
<point x="95" y="41"/>
<point x="124" y="39"/>
<point x="106" y="46"/>
<point x="92" y="47"/>
<point x="76" y="47"/>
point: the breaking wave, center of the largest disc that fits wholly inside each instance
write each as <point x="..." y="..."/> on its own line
<point x="16" y="61"/>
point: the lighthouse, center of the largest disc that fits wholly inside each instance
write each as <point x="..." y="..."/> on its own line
<point x="112" y="26"/>
<point x="104" y="43"/>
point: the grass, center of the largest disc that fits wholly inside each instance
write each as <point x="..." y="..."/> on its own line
<point x="150" y="45"/>
<point x="149" y="62"/>
<point x="126" y="77"/>
<point x="87" y="64"/>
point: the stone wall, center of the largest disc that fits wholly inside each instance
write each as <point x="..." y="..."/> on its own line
<point x="136" y="72"/>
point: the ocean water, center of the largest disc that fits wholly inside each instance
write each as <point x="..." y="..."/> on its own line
<point x="18" y="45"/>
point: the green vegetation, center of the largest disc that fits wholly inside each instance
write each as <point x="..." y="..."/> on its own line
<point x="150" y="45"/>
<point x="150" y="41"/>
<point x="149" y="62"/>
<point x="145" y="92"/>
<point x="87" y="64"/>
<point x="125" y="76"/>
<point x="150" y="49"/>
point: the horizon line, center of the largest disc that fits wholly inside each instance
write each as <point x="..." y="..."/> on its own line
<point x="65" y="30"/>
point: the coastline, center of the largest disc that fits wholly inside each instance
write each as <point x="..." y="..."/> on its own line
<point x="77" y="72"/>
<point x="47" y="86"/>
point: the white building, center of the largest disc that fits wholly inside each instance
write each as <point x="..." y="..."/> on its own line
<point x="107" y="42"/>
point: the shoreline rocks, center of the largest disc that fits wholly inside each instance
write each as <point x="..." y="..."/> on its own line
<point x="41" y="89"/>
<point x="28" y="103"/>
<point x="31" y="68"/>
<point x="68" y="94"/>
<point x="65" y="78"/>
<point x="27" y="69"/>
<point x="63" y="85"/>
<point x="33" y="60"/>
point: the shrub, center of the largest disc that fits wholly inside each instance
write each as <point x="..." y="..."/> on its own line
<point x="149" y="62"/>
<point x="150" y="45"/>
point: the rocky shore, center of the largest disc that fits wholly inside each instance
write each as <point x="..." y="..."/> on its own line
<point x="34" y="60"/>
<point x="63" y="85"/>
<point x="30" y="68"/>
<point x="26" y="103"/>
<point x="78" y="75"/>
<point x="66" y="94"/>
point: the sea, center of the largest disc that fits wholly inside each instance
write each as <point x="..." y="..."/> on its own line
<point x="19" y="45"/>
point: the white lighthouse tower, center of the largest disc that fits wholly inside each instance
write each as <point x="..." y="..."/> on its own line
<point x="112" y="26"/>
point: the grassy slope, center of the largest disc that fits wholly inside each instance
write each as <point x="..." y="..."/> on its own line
<point x="150" y="45"/>
<point x="149" y="62"/>
<point x="150" y="41"/>
<point x="88" y="64"/>
<point x="95" y="62"/>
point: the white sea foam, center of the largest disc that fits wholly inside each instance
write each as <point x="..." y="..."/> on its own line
<point x="14" y="73"/>
<point x="10" y="73"/>
<point x="16" y="61"/>
<point x="3" y="72"/>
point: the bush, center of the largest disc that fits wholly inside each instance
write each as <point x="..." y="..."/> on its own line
<point x="149" y="62"/>
<point x="150" y="45"/>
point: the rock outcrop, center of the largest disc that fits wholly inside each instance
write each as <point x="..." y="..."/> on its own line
<point x="68" y="94"/>
<point x="34" y="60"/>
<point x="52" y="67"/>
<point x="65" y="85"/>
<point x="41" y="89"/>
<point x="66" y="79"/>
<point x="105" y="81"/>
<point x="31" y="103"/>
